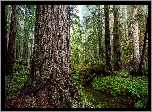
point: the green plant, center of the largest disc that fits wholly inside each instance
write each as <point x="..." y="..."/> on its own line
<point x="100" y="106"/>
<point x="20" y="78"/>
<point x="122" y="73"/>
<point x="119" y="86"/>
<point x="142" y="103"/>
<point x="97" y="64"/>
<point x="77" y="78"/>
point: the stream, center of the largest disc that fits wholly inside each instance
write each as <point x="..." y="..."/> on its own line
<point x="101" y="97"/>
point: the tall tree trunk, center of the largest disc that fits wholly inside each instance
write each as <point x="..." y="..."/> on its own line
<point x="100" y="34"/>
<point x="17" y="45"/>
<point x="25" y="40"/>
<point x="94" y="45"/>
<point x="107" y="37"/>
<point x="50" y="78"/>
<point x="144" y="49"/>
<point x="6" y="13"/>
<point x="11" y="44"/>
<point x="18" y="39"/>
<point x="135" y="37"/>
<point x="117" y="39"/>
<point x="129" y="24"/>
<point x="126" y="27"/>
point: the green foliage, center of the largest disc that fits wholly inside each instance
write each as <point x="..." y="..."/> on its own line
<point x="77" y="78"/>
<point x="122" y="73"/>
<point x="142" y="103"/>
<point x="118" y="86"/>
<point x="97" y="64"/>
<point x="12" y="87"/>
<point x="20" y="77"/>
<point x="82" y="67"/>
<point x="20" y="68"/>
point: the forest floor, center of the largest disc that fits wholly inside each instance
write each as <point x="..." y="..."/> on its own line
<point x="28" y="101"/>
<point x="33" y="102"/>
<point x="13" y="99"/>
<point x="101" y="97"/>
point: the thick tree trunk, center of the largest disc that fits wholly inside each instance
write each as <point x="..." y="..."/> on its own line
<point x="135" y="37"/>
<point x="117" y="39"/>
<point x="11" y="44"/>
<point x="107" y="37"/>
<point x="50" y="78"/>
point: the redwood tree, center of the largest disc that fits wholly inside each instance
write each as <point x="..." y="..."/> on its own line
<point x="100" y="34"/>
<point x="117" y="39"/>
<point x="144" y="49"/>
<point x="11" y="44"/>
<point x="25" y="42"/>
<point x="135" y="37"/>
<point x="50" y="79"/>
<point x="107" y="37"/>
<point x="6" y="13"/>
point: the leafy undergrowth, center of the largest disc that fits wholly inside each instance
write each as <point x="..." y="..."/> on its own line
<point x="133" y="91"/>
<point x="81" y="72"/>
<point x="87" y="99"/>
<point x="13" y="98"/>
<point x="15" y="83"/>
<point x="96" y="64"/>
<point x="81" y="68"/>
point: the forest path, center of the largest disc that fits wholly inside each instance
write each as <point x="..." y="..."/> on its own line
<point x="101" y="97"/>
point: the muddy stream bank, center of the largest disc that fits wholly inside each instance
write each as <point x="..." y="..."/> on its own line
<point x="108" y="101"/>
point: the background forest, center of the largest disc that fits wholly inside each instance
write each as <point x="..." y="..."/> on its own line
<point x="76" y="56"/>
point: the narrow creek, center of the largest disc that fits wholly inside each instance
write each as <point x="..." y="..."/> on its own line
<point x="101" y="97"/>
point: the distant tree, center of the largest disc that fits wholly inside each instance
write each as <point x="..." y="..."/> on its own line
<point x="11" y="44"/>
<point x="6" y="31"/>
<point x="144" y="48"/>
<point x="135" y="37"/>
<point x="100" y="33"/>
<point x="117" y="39"/>
<point x="107" y="37"/>
<point x="25" y="39"/>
